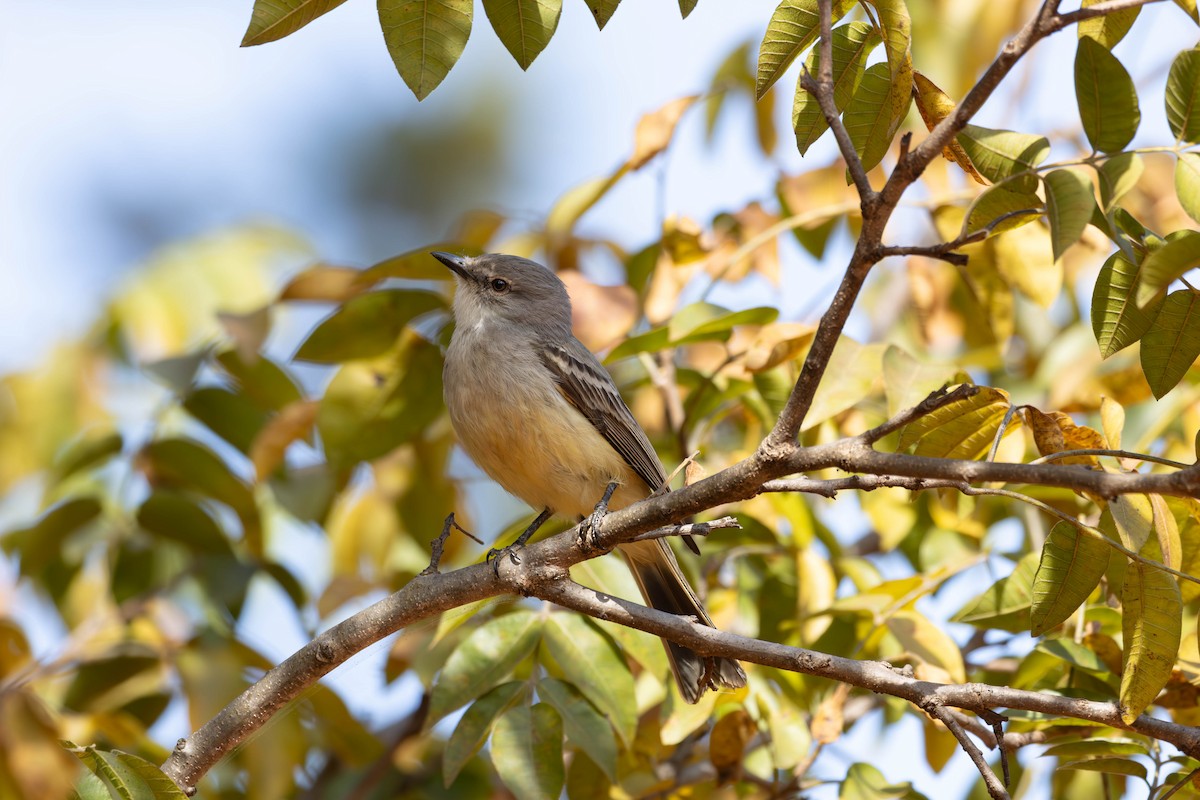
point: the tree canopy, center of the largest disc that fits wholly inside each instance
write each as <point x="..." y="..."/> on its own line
<point x="977" y="517"/>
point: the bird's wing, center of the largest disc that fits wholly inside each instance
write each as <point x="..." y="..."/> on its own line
<point x="587" y="386"/>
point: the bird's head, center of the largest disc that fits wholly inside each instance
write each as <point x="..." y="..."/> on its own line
<point x="500" y="288"/>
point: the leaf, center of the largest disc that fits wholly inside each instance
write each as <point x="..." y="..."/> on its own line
<point x="654" y="131"/>
<point x="852" y="44"/>
<point x="1117" y="321"/>
<point x="852" y="373"/>
<point x="868" y="117"/>
<point x="1170" y="545"/>
<point x="1096" y="747"/>
<point x="589" y="660"/>
<point x="794" y="25"/>
<point x="1172" y="343"/>
<point x="231" y="416"/>
<point x="701" y="321"/>
<point x="907" y="381"/>
<point x="583" y="724"/>
<point x="1166" y="264"/>
<point x="129" y="777"/>
<point x="999" y="155"/>
<point x="1108" y="105"/>
<point x="1183" y="96"/>
<point x="527" y="752"/>
<point x="573" y="203"/>
<point x="866" y="782"/>
<point x="727" y="743"/>
<point x="687" y="7"/>
<point x="425" y="38"/>
<point x="91" y="449"/>
<point x="1071" y="566"/>
<point x="417" y="264"/>
<point x="261" y="380"/>
<point x="934" y="106"/>
<point x="366" y="325"/>
<point x="174" y="517"/>
<point x="602" y="10"/>
<point x="293" y="423"/>
<point x="524" y="26"/>
<point x="1107" y="29"/>
<point x="1023" y="258"/>
<point x="1006" y="604"/>
<point x="1134" y="519"/>
<point x="897" y="40"/>
<point x="927" y="642"/>
<point x="41" y="544"/>
<point x="963" y="429"/>
<point x="324" y="283"/>
<point x="1112" y="419"/>
<point x="483" y="659"/>
<point x="474" y="727"/>
<point x="1187" y="183"/>
<point x="1117" y="176"/>
<point x="998" y="209"/>
<point x="187" y="465"/>
<point x="1189" y="8"/>
<point x="1151" y="610"/>
<point x="274" y="19"/>
<point x="1114" y="766"/>
<point x="1069" y="206"/>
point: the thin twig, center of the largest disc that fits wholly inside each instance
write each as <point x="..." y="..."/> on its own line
<point x="994" y="787"/>
<point x="1098" y="451"/>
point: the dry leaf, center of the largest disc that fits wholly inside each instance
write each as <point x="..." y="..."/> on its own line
<point x="600" y="315"/>
<point x="654" y="130"/>
<point x="935" y="105"/>
<point x="292" y="423"/>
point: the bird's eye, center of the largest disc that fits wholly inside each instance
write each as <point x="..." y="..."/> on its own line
<point x="499" y="285"/>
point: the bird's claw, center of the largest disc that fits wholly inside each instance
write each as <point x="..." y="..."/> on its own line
<point x="497" y="554"/>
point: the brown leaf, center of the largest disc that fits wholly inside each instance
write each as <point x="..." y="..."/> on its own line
<point x="683" y="240"/>
<point x="654" y="130"/>
<point x="777" y="343"/>
<point x="248" y="331"/>
<point x="827" y="723"/>
<point x="600" y="315"/>
<point x="325" y="283"/>
<point x="292" y="423"/>
<point x="935" y="105"/>
<point x="728" y="742"/>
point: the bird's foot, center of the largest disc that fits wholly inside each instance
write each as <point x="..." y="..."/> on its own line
<point x="498" y="554"/>
<point x="589" y="530"/>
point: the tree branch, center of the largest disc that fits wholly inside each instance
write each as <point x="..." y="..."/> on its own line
<point x="944" y="715"/>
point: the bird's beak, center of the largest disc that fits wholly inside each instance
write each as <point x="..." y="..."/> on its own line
<point x="455" y="263"/>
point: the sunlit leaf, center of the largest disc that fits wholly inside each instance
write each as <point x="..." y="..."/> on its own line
<point x="425" y="38"/>
<point x="261" y="381"/>
<point x="934" y="106"/>
<point x="1187" y="183"/>
<point x="1117" y="321"/>
<point x="998" y="209"/>
<point x="999" y="155"/>
<point x="524" y="27"/>
<point x="1108" y="104"/>
<point x="567" y="210"/>
<point x="1189" y="8"/>
<point x="1024" y="260"/>
<point x="174" y="517"/>
<point x="1072" y="564"/>
<point x="1172" y="343"/>
<point x="475" y="726"/>
<point x="582" y="723"/>
<point x="1166" y="264"/>
<point x="590" y="661"/>
<point x="868" y="117"/>
<point x="1134" y="519"/>
<point x="727" y="743"/>
<point x="324" y="283"/>
<point x="129" y="777"/>
<point x="794" y="25"/>
<point x="897" y="40"/>
<point x="908" y="381"/>
<point x="1096" y="747"/>
<point x="1117" y="175"/>
<point x="963" y="429"/>
<point x="602" y="10"/>
<point x="483" y="659"/>
<point x="291" y="424"/>
<point x="1107" y="29"/>
<point x="852" y="44"/>
<point x="366" y="325"/>
<point x="1006" y="604"/>
<point x="853" y="371"/>
<point x="1183" y="96"/>
<point x="1151" y="611"/>
<point x="527" y="752"/>
<point x="274" y="19"/>
<point x="90" y="450"/>
<point x="1069" y="205"/>
<point x="866" y="782"/>
<point x="654" y="130"/>
<point x="928" y="642"/>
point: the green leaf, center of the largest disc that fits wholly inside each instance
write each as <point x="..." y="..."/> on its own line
<point x="1108" y="104"/>
<point x="1183" y="96"/>
<point x="483" y="659"/>
<point x="998" y="209"/>
<point x="586" y="781"/>
<point x="574" y="202"/>
<point x="1069" y="206"/>
<point x="1187" y="183"/>
<point x="927" y="642"/>
<point x="583" y="724"/>
<point x="1107" y="29"/>
<point x="869" y="116"/>
<point x="263" y="382"/>
<point x="274" y="19"/>
<point x="174" y="517"/>
<point x="963" y="429"/>
<point x="1167" y="264"/>
<point x="1134" y="519"/>
<point x="852" y="44"/>
<point x="367" y="325"/>
<point x="1096" y="747"/>
<point x="853" y="371"/>
<point x="475" y="725"/>
<point x="1006" y="604"/>
<point x="1117" y="176"/>
<point x="999" y="155"/>
<point x="897" y="39"/>
<point x="1116" y="320"/>
<point x="91" y="449"/>
<point x="1113" y="766"/>
<point x="687" y="7"/>
<point x="372" y="407"/>
<point x="794" y="25"/>
<point x="1071" y="566"/>
<point x="701" y="321"/>
<point x="129" y="777"/>
<point x="589" y="660"/>
<point x="524" y="26"/>
<point x="1151" y="622"/>
<point x="1172" y="344"/>
<point x="425" y="38"/>
<point x="602" y="10"/>
<point x="231" y="416"/>
<point x="41" y="543"/>
<point x="187" y="465"/>
<point x="866" y="782"/>
<point x="527" y="752"/>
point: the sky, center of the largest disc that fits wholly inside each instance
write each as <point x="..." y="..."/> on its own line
<point x="130" y="125"/>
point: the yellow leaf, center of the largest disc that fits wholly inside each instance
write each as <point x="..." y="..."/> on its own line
<point x="728" y="742"/>
<point x="1112" y="419"/>
<point x="654" y="130"/>
<point x="927" y="642"/>
<point x="1134" y="517"/>
<point x="1023" y="257"/>
<point x="322" y="282"/>
<point x="964" y="429"/>
<point x="827" y="723"/>
<point x="292" y="423"/>
<point x="1151" y="625"/>
<point x="935" y="105"/>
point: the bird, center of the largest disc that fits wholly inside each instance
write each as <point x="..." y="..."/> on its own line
<point x="535" y="410"/>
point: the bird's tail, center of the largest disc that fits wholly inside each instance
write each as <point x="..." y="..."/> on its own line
<point x="665" y="588"/>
